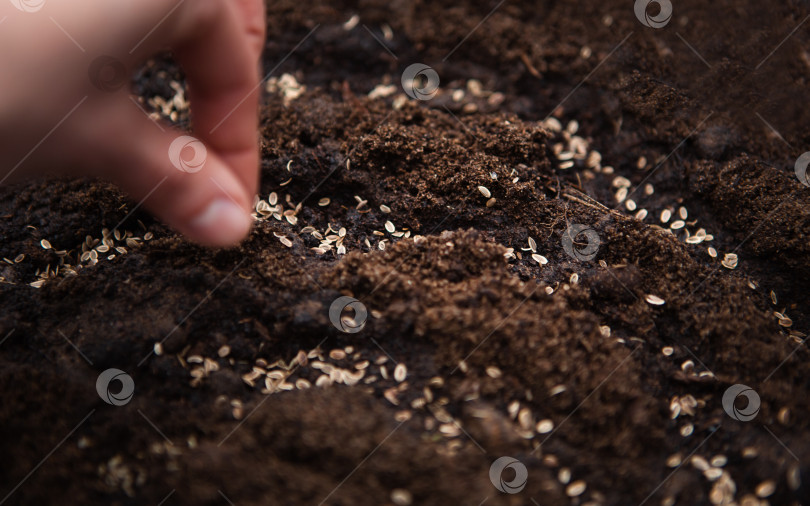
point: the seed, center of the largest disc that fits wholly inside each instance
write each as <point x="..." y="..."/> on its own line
<point x="564" y="476"/>
<point x="630" y="205"/>
<point x="525" y="418"/>
<point x="621" y="194"/>
<point x="687" y="430"/>
<point x="400" y="373"/>
<point x="224" y="351"/>
<point x="655" y="300"/>
<point x="532" y="245"/>
<point x="390" y="227"/>
<point x="766" y="489"/>
<point x="677" y="225"/>
<point x="484" y="191"/>
<point x="699" y="463"/>
<point x="158" y="349"/>
<point x="337" y="354"/>
<point x="286" y="242"/>
<point x="641" y="162"/>
<point x="674" y="460"/>
<point x="323" y="381"/>
<point x="574" y="279"/>
<point x="302" y="384"/>
<point x="493" y="372"/>
<point x="491" y="202"/>
<point x="401" y="497"/>
<point x="575" y="489"/>
<point x="19" y="258"/>
<point x="540" y="259"/>
<point x="641" y="214"/>
<point x="621" y="182"/>
<point x="666" y="214"/>
<point x="323" y="202"/>
<point x="785" y="322"/>
<point x="719" y="460"/>
<point x="45" y="244"/>
<point x="712" y="252"/>
<point x="545" y="426"/>
<point x="712" y="473"/>
<point x="667" y="350"/>
<point x="593" y="160"/>
<point x="794" y="478"/>
<point x="729" y="261"/>
<point x="384" y="208"/>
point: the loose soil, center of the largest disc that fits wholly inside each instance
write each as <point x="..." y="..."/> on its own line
<point x="492" y="342"/>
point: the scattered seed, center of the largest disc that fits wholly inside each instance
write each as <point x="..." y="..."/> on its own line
<point x="712" y="473"/>
<point x="324" y="202"/>
<point x="384" y="208"/>
<point x="687" y="430"/>
<point x="545" y="426"/>
<point x="286" y="242"/>
<point x="337" y="354"/>
<point x="564" y="476"/>
<point x="666" y="214"/>
<point x="389" y="227"/>
<point x="655" y="300"/>
<point x="158" y="349"/>
<point x="712" y="252"/>
<point x="224" y="351"/>
<point x="45" y="244"/>
<point x="719" y="460"/>
<point x="401" y="497"/>
<point x="630" y="205"/>
<point x="766" y="489"/>
<point x="540" y="259"/>
<point x="641" y="214"/>
<point x="576" y="489"/>
<point x="794" y="478"/>
<point x="400" y="372"/>
<point x="677" y="225"/>
<point x="667" y="351"/>
<point x="494" y="372"/>
<point x="484" y="191"/>
<point x="491" y="202"/>
<point x="729" y="261"/>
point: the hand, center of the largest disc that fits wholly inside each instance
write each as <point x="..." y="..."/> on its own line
<point x="54" y="118"/>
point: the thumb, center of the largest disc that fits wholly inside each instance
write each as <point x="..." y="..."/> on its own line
<point x="176" y="177"/>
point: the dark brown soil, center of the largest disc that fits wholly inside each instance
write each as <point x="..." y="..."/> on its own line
<point x="587" y="356"/>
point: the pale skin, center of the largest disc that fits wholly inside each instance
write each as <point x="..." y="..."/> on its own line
<point x="54" y="120"/>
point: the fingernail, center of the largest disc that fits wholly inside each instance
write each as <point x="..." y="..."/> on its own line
<point x="222" y="223"/>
